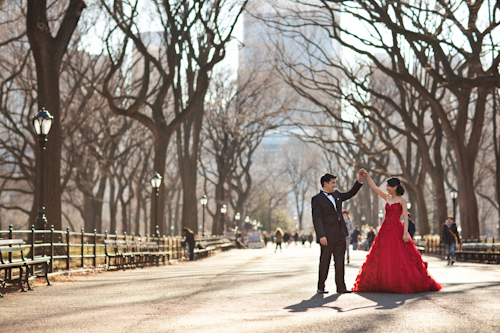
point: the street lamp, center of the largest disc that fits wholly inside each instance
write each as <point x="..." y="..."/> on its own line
<point x="247" y="222"/>
<point x="408" y="205"/>
<point x="223" y="211"/>
<point x="42" y="122"/>
<point x="380" y="216"/>
<point x="454" y="196"/>
<point x="363" y="219"/>
<point x="237" y="218"/>
<point x="156" y="182"/>
<point x="204" y="202"/>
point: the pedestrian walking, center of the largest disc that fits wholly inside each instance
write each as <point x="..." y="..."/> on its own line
<point x="370" y="238"/>
<point x="286" y="237"/>
<point x="278" y="237"/>
<point x="190" y="243"/>
<point x="450" y="238"/>
<point x="350" y="229"/>
<point x="354" y="238"/>
<point x="310" y="239"/>
<point x="411" y="226"/>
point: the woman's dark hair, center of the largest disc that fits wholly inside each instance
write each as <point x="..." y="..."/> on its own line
<point x="396" y="182"/>
<point x="326" y="178"/>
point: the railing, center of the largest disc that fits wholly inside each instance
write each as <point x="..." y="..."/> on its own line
<point x="70" y="250"/>
<point x="433" y="245"/>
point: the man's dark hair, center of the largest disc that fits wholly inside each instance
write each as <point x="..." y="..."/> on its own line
<point x="326" y="178"/>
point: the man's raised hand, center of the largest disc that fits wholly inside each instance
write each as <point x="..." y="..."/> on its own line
<point x="361" y="174"/>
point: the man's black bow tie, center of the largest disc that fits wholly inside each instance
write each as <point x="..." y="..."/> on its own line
<point x="328" y="193"/>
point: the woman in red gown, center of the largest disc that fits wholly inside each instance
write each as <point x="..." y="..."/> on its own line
<point x="394" y="264"/>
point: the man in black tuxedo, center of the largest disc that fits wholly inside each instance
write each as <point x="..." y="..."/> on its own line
<point x="331" y="230"/>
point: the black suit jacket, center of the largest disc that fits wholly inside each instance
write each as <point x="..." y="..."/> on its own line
<point x="327" y="221"/>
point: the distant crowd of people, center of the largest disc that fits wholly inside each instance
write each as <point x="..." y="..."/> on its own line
<point x="360" y="239"/>
<point x="279" y="237"/>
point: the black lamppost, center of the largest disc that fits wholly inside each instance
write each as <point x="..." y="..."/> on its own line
<point x="247" y="223"/>
<point x="223" y="211"/>
<point x="237" y="218"/>
<point x="42" y="123"/>
<point x="380" y="216"/>
<point x="408" y="205"/>
<point x="204" y="202"/>
<point x="156" y="182"/>
<point x="454" y="196"/>
<point x="363" y="219"/>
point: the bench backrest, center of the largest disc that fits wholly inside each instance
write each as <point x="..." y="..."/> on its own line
<point x="11" y="245"/>
<point x="4" y="242"/>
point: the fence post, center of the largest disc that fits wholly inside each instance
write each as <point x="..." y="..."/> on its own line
<point x="11" y="234"/>
<point x="82" y="248"/>
<point x="68" y="255"/>
<point x="95" y="248"/>
<point x="32" y="247"/>
<point x="170" y="248"/>
<point x="51" y="248"/>
<point x="106" y="263"/>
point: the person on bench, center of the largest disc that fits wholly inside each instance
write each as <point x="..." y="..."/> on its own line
<point x="450" y="238"/>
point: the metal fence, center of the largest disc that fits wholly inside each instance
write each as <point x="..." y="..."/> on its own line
<point x="69" y="250"/>
<point x="433" y="245"/>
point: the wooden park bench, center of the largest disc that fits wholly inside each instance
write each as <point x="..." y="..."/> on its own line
<point x="156" y="254"/>
<point x="12" y="257"/>
<point x="206" y="248"/>
<point x="132" y="253"/>
<point x="479" y="252"/>
<point x="420" y="245"/>
<point x="117" y="253"/>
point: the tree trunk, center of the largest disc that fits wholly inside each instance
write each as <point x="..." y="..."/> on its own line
<point x="188" y="148"/>
<point x="138" y="207"/>
<point x="88" y="214"/>
<point x="48" y="53"/>
<point x="467" y="201"/>
<point x="160" y="158"/>
<point x="125" y="225"/>
<point x="112" y="207"/>
<point x="423" y="217"/>
<point x="175" y="221"/>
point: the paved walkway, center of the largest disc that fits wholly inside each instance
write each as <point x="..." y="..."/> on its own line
<point x="254" y="291"/>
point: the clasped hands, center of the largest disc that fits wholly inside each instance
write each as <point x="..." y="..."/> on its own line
<point x="361" y="174"/>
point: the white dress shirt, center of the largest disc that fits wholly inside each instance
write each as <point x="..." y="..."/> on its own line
<point x="331" y="198"/>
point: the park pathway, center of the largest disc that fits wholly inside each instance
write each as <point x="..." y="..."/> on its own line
<point x="254" y="291"/>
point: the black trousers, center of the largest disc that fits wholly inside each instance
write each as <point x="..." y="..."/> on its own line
<point x="191" y="252"/>
<point x="337" y="248"/>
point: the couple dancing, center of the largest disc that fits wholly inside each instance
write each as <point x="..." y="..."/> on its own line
<point x="393" y="265"/>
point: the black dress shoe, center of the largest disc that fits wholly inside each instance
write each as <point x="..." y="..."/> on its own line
<point x="322" y="291"/>
<point x="344" y="291"/>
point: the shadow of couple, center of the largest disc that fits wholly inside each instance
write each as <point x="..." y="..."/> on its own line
<point x="383" y="301"/>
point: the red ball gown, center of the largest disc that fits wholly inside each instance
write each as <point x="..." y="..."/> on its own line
<point x="393" y="266"/>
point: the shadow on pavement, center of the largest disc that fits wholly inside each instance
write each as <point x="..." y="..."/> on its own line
<point x="386" y="301"/>
<point x="383" y="302"/>
<point x="317" y="301"/>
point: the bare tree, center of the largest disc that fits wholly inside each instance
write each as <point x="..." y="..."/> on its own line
<point x="196" y="32"/>
<point x="302" y="164"/>
<point x="459" y="68"/>
<point x="239" y="114"/>
<point x="49" y="33"/>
